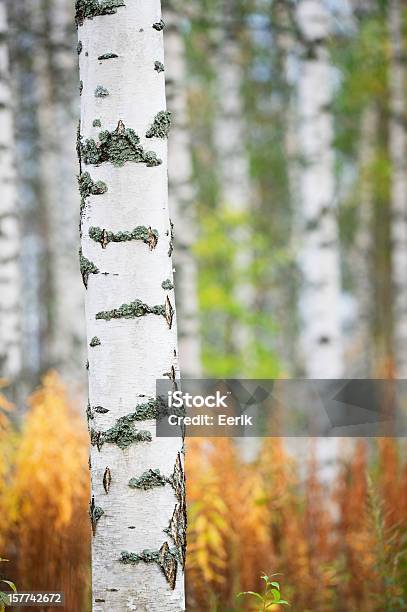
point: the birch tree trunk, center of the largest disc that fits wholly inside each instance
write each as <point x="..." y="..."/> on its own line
<point x="138" y="492"/>
<point x="63" y="327"/>
<point x="10" y="288"/>
<point x="319" y="259"/>
<point x="362" y="255"/>
<point x="233" y="167"/>
<point x="181" y="199"/>
<point x="398" y="156"/>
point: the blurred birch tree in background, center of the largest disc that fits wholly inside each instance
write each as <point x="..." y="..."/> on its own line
<point x="288" y="198"/>
<point x="287" y="173"/>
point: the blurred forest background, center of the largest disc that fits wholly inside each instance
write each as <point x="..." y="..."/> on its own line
<point x="288" y="193"/>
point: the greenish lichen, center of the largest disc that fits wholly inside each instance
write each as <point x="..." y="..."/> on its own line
<point x="131" y="311"/>
<point x="161" y="125"/>
<point x="159" y="25"/>
<point x="97" y="123"/>
<point x="95" y="512"/>
<point x="123" y="433"/>
<point x="88" y="9"/>
<point x="88" y="187"/>
<point x="87" y="267"/>
<point x="159" y="66"/>
<point x="95" y="341"/>
<point x="101" y="92"/>
<point x="166" y="559"/>
<point x="146" y="556"/>
<point x="147" y="235"/>
<point x="151" y="160"/>
<point x="150" y="410"/>
<point x="79" y="47"/>
<point x="177" y="530"/>
<point x="167" y="285"/>
<point x="118" y="147"/>
<point x="107" y="56"/>
<point x="148" y="480"/>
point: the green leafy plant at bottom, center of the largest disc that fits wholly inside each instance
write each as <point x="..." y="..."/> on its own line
<point x="4" y="598"/>
<point x="270" y="597"/>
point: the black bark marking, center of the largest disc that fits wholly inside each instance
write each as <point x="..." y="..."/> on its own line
<point x="107" y="56"/>
<point x="159" y="25"/>
<point x="107" y="480"/>
<point x="169" y="312"/>
<point x="159" y="67"/>
<point x="101" y="410"/>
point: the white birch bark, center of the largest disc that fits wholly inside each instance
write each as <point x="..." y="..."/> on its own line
<point x="58" y="118"/>
<point x="398" y="156"/>
<point x="10" y="280"/>
<point x="136" y="564"/>
<point x="319" y="257"/>
<point x="181" y="200"/>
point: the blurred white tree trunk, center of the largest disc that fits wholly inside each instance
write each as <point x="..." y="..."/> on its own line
<point x="319" y="256"/>
<point x="181" y="199"/>
<point x="10" y="287"/>
<point x="139" y="530"/>
<point x="362" y="256"/>
<point x="398" y="155"/>
<point x="233" y="168"/>
<point x="64" y="324"/>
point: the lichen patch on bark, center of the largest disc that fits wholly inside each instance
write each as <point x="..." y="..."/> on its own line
<point x="161" y="125"/>
<point x="165" y="558"/>
<point x="95" y="512"/>
<point x="88" y="9"/>
<point x="88" y="187"/>
<point x="101" y="92"/>
<point x="131" y="311"/>
<point x="149" y="480"/>
<point x="87" y="267"/>
<point x="117" y="147"/>
<point x="167" y="285"/>
<point x="138" y="233"/>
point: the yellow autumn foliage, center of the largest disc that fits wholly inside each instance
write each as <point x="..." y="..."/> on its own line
<point x="47" y="498"/>
<point x="335" y="547"/>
